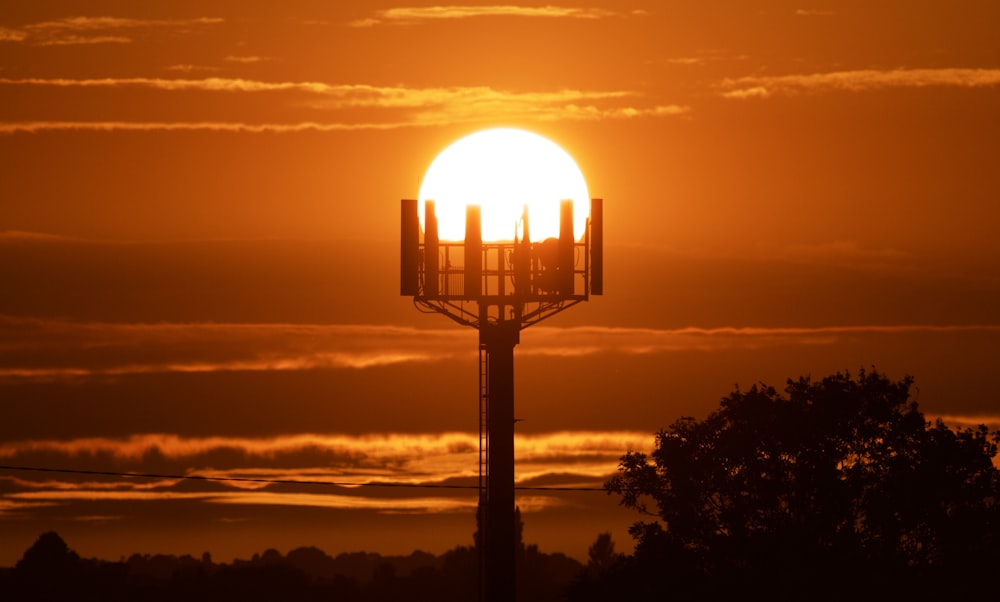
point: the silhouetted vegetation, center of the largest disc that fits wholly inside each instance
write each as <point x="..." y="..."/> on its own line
<point x="838" y="489"/>
<point x="50" y="570"/>
<point x="834" y="489"/>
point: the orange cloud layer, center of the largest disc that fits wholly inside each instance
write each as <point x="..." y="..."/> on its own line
<point x="265" y="498"/>
<point x="94" y="30"/>
<point x="580" y="459"/>
<point x="214" y="347"/>
<point x="858" y="81"/>
<point x="991" y="421"/>
<point x="208" y="126"/>
<point x="420" y="107"/>
<point x="435" y="454"/>
<point x="409" y="16"/>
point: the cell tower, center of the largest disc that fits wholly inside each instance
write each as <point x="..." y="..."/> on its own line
<point x="498" y="288"/>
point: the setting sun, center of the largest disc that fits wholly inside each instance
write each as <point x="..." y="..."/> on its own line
<point x="502" y="170"/>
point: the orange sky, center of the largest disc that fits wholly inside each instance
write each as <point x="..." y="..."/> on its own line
<point x="199" y="210"/>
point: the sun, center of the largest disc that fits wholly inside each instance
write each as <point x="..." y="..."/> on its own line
<point x="502" y="170"/>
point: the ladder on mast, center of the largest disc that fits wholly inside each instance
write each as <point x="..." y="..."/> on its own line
<point x="484" y="462"/>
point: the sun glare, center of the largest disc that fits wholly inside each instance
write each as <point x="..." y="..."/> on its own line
<point x="502" y="170"/>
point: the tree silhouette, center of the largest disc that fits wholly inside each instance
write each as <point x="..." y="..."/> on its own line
<point x="838" y="487"/>
<point x="601" y="554"/>
<point x="48" y="555"/>
<point x="50" y="570"/>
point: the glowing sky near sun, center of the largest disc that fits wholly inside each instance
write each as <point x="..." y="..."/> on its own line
<point x="504" y="171"/>
<point x="199" y="249"/>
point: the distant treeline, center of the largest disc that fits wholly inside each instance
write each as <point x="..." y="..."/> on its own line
<point x="51" y="570"/>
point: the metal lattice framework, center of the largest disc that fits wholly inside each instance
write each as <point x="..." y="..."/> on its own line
<point x="473" y="282"/>
<point x="502" y="297"/>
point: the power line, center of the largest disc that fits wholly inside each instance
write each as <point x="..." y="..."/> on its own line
<point x="153" y="475"/>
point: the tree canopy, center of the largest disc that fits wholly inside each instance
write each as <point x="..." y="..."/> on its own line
<point x="835" y="487"/>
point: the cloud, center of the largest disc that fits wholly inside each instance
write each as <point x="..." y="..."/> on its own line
<point x="705" y="57"/>
<point x="402" y="106"/>
<point x="336" y="95"/>
<point x="188" y="68"/>
<point x="33" y="127"/>
<point x="12" y="35"/>
<point x="313" y="456"/>
<point x="104" y="349"/>
<point x="210" y="84"/>
<point x="332" y="469"/>
<point x="246" y="60"/>
<point x="814" y="12"/>
<point x="858" y="81"/>
<point x="420" y="505"/>
<point x="415" y="15"/>
<point x="20" y="502"/>
<point x="426" y="119"/>
<point x="52" y="350"/>
<point x="571" y="342"/>
<point x="751" y="92"/>
<point x="21" y="236"/>
<point x="94" y="30"/>
<point x="956" y="421"/>
<point x="843" y="252"/>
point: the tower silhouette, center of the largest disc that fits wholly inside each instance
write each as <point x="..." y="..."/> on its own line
<point x="498" y="288"/>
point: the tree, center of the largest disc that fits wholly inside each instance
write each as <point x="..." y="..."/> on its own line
<point x="49" y="555"/>
<point x="601" y="554"/>
<point x="50" y="570"/>
<point x="836" y="487"/>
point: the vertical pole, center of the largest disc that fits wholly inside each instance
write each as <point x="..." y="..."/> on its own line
<point x="484" y="475"/>
<point x="431" y="267"/>
<point x="473" y="285"/>
<point x="500" y="339"/>
<point x="522" y="262"/>
<point x="567" y="248"/>
<point x="409" y="248"/>
<point x="596" y="246"/>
